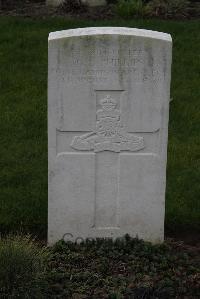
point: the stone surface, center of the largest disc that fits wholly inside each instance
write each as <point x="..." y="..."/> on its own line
<point x="108" y="102"/>
<point x="54" y="2"/>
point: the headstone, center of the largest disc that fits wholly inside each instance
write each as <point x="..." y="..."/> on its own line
<point x="108" y="102"/>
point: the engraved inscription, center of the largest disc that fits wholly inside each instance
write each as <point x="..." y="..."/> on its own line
<point x="110" y="134"/>
<point x="109" y="62"/>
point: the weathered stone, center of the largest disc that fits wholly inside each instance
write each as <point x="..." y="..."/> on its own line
<point x="108" y="102"/>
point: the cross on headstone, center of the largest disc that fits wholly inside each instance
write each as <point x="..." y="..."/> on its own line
<point x="110" y="136"/>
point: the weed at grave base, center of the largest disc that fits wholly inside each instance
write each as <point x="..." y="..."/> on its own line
<point x="22" y="265"/>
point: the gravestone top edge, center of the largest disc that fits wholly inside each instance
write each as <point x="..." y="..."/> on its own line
<point x="89" y="31"/>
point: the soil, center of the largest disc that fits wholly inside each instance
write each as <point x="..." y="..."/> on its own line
<point x="190" y="238"/>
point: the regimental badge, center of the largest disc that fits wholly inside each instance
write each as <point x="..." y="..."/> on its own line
<point x="110" y="134"/>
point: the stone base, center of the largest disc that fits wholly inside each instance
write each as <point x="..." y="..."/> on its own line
<point x="91" y="3"/>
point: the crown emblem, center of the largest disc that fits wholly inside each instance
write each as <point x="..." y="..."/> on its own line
<point x="108" y="102"/>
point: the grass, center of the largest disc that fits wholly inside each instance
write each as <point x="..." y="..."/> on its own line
<point x="23" y="121"/>
<point x="22" y="267"/>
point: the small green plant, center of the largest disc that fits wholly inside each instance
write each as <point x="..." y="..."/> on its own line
<point x="167" y="8"/>
<point x="21" y="268"/>
<point x="129" y="8"/>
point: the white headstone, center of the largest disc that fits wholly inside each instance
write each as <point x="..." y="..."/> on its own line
<point x="108" y="101"/>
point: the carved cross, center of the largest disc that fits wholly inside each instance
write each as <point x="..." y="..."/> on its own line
<point x="107" y="141"/>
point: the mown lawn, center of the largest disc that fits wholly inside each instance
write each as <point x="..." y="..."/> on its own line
<point x="23" y="121"/>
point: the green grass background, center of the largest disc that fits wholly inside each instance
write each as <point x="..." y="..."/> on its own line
<point x="23" y="121"/>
